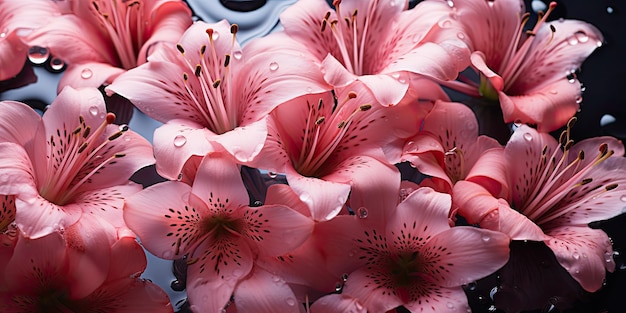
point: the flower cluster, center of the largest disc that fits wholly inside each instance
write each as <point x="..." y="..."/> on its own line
<point x="283" y="160"/>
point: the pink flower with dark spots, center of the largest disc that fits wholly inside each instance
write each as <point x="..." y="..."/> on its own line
<point x="558" y="188"/>
<point x="413" y="258"/>
<point x="71" y="161"/>
<point x="211" y="223"/>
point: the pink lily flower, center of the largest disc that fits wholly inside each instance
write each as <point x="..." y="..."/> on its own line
<point x="328" y="145"/>
<point x="557" y="190"/>
<point x="211" y="223"/>
<point x="531" y="74"/>
<point x="379" y="43"/>
<point x="16" y="19"/>
<point x="100" y="39"/>
<point x="41" y="276"/>
<point x="68" y="162"/>
<point x="212" y="93"/>
<point x="413" y="259"/>
<point x="449" y="149"/>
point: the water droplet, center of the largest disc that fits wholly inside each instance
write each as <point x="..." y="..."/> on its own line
<point x="344" y="277"/>
<point x="623" y="198"/>
<point x="290" y="301"/>
<point x="608" y="256"/>
<point x="4" y="33"/>
<point x="167" y="255"/>
<point x="306" y="198"/>
<point x="599" y="44"/>
<point x="272" y="174"/>
<point x="238" y="54"/>
<point x="393" y="3"/>
<point x="609" y="10"/>
<point x="486" y="238"/>
<point x="38" y="55"/>
<point x="273" y="66"/>
<point x="309" y="89"/>
<point x="395" y="75"/>
<point x="362" y="212"/>
<point x="576" y="256"/>
<point x="416" y="38"/>
<point x="180" y="141"/>
<point x="215" y="35"/>
<point x="450" y="305"/>
<point x="572" y="41"/>
<point x="179" y="177"/>
<point x="581" y="36"/>
<point x="123" y="127"/>
<point x="579" y="99"/>
<point x="554" y="92"/>
<point x="445" y="23"/>
<point x="461" y="35"/>
<point x="493" y="292"/>
<point x="538" y="5"/>
<point x="471" y="286"/>
<point x="86" y="73"/>
<point x="528" y="136"/>
<point x="338" y="286"/>
<point x="56" y="64"/>
<point x="450" y="3"/>
<point x="93" y="110"/>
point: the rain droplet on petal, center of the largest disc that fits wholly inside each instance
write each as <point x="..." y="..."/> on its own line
<point x="338" y="286"/>
<point x="290" y="301"/>
<point x="450" y="305"/>
<point x="581" y="36"/>
<point x="273" y="66"/>
<point x="56" y="64"/>
<point x="445" y="23"/>
<point x="576" y="256"/>
<point x="486" y="238"/>
<point x="272" y="174"/>
<point x="344" y="277"/>
<point x="180" y="141"/>
<point x="362" y="212"/>
<point x="93" y="110"/>
<point x="86" y="73"/>
<point x="554" y="92"/>
<point x="215" y="35"/>
<point x="461" y="35"/>
<point x="528" y="136"/>
<point x="579" y="99"/>
<point x="38" y="55"/>
<point x="493" y="292"/>
<point x="623" y="198"/>
<point x="4" y="33"/>
<point x="237" y="54"/>
<point x="450" y="3"/>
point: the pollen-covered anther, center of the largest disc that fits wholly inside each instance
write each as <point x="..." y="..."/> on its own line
<point x="180" y="48"/>
<point x="216" y="83"/>
<point x="197" y="70"/>
<point x="234" y="28"/>
<point x="365" y="107"/>
<point x="319" y="120"/>
<point x="226" y="60"/>
<point x="611" y="187"/>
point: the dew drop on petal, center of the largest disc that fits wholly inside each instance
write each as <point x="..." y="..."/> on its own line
<point x="273" y="66"/>
<point x="493" y="292"/>
<point x="167" y="255"/>
<point x="290" y="301"/>
<point x="572" y="41"/>
<point x="237" y="54"/>
<point x="56" y="64"/>
<point x="215" y="35"/>
<point x="460" y="35"/>
<point x="528" y="136"/>
<point x="395" y="75"/>
<point x="179" y="177"/>
<point x="86" y="73"/>
<point x="579" y="99"/>
<point x="272" y="174"/>
<point x="576" y="256"/>
<point x="344" y="277"/>
<point x="180" y="141"/>
<point x="450" y="3"/>
<point x="309" y="89"/>
<point x="338" y="286"/>
<point x="581" y="36"/>
<point x="362" y="212"/>
<point x="93" y="110"/>
<point x="275" y="279"/>
<point x="38" y="55"/>
<point x="554" y="92"/>
<point x="623" y="198"/>
<point x="4" y="33"/>
<point x="445" y="23"/>
<point x="486" y="238"/>
<point x="450" y="305"/>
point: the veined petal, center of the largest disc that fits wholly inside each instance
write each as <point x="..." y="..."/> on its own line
<point x="422" y="215"/>
<point x="162" y="218"/>
<point x="372" y="287"/>
<point x="388" y="90"/>
<point x="276" y="229"/>
<point x="107" y="203"/>
<point x="449" y="299"/>
<point x="245" y="142"/>
<point x="13" y="56"/>
<point x="207" y="294"/>
<point x="479" y="61"/>
<point x="127" y="295"/>
<point x="17" y="171"/>
<point x="276" y="296"/>
<point x="446" y="255"/>
<point x="37" y="217"/>
<point x="128" y="259"/>
<point x="219" y="183"/>
<point x="584" y="252"/>
<point x="169" y="20"/>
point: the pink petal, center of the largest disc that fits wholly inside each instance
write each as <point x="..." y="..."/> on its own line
<point x="336" y="74"/>
<point x="221" y="264"/>
<point x="370" y="286"/>
<point x="470" y="254"/>
<point x="13" y="56"/>
<point x="549" y="106"/>
<point x="37" y="217"/>
<point x="37" y="264"/>
<point x="276" y="296"/>
<point x="324" y="198"/>
<point x="584" y="252"/>
<point x="17" y="171"/>
<point x="88" y="74"/>
<point x="387" y="89"/>
<point x="439" y="300"/>
<point x="479" y="61"/>
<point x="490" y="171"/>
<point x="18" y="122"/>
<point x="423" y="214"/>
<point x="7" y="214"/>
<point x="283" y="194"/>
<point x="177" y="141"/>
<point x="128" y="259"/>
<point x="453" y="123"/>
<point x="337" y="303"/>
<point x="89" y="254"/>
<point x="107" y="203"/>
<point x="245" y="142"/>
<point x="218" y="182"/>
<point x="277" y="229"/>
<point x="169" y="20"/>
<point x="130" y="295"/>
<point x="157" y="215"/>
